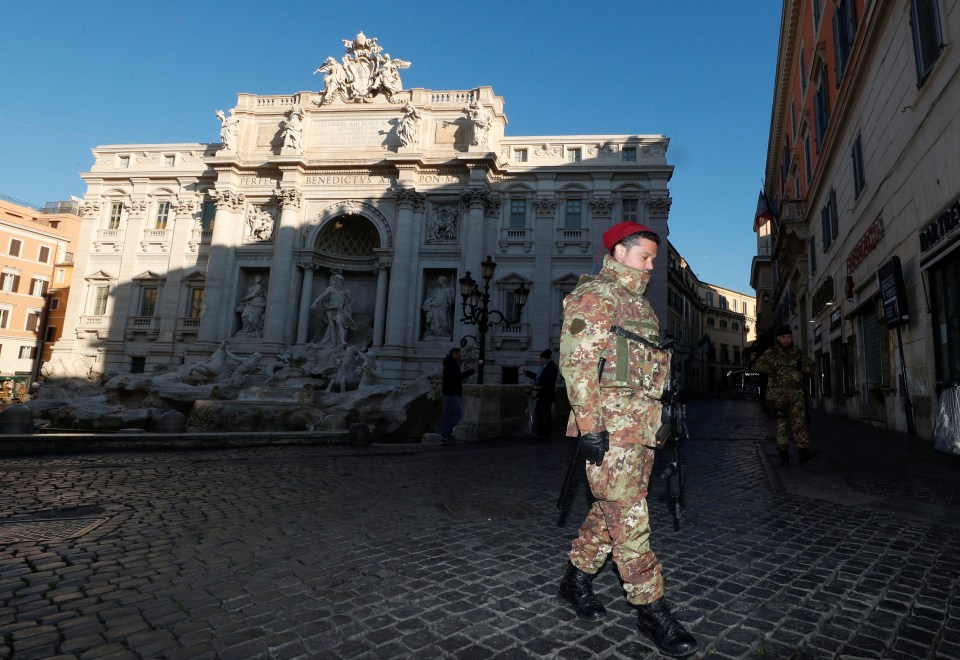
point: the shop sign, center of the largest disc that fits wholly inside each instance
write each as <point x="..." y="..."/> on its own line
<point x="867" y="243"/>
<point x="945" y="224"/>
<point x="893" y="293"/>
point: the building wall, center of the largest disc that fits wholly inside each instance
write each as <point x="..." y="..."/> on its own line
<point x="729" y="322"/>
<point x="392" y="201"/>
<point x="36" y="252"/>
<point x="907" y="130"/>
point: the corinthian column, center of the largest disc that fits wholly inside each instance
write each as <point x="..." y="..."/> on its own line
<point x="400" y="295"/>
<point x="380" y="313"/>
<point x="277" y="326"/>
<point x="216" y="301"/>
<point x="476" y="201"/>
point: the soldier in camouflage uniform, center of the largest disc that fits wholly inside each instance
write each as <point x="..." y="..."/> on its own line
<point x="614" y="383"/>
<point x="787" y="367"/>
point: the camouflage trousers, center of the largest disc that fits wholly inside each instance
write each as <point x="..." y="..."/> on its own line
<point x="788" y="408"/>
<point x="619" y="523"/>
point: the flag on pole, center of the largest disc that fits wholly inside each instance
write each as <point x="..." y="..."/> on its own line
<point x="705" y="344"/>
<point x="764" y="212"/>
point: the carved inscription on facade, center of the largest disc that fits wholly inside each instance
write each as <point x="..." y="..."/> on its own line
<point x="346" y="179"/>
<point x="257" y="181"/>
<point x="351" y="132"/>
<point x="438" y="178"/>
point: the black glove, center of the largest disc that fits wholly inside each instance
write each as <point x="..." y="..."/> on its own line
<point x="593" y="446"/>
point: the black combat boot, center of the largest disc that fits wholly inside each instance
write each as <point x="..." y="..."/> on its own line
<point x="785" y="456"/>
<point x="657" y="623"/>
<point x="805" y="454"/>
<point x="576" y="589"/>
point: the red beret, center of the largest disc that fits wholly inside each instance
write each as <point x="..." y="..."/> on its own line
<point x="620" y="231"/>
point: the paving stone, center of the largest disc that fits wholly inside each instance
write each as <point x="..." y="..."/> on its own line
<point x="781" y="565"/>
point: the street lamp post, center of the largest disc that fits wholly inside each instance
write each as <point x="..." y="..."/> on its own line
<point x="476" y="308"/>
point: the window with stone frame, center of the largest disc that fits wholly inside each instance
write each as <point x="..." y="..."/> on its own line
<point x="844" y="33"/>
<point x="148" y="300"/>
<point x="9" y="282"/>
<point x="803" y="70"/>
<point x="14" y="248"/>
<point x="116" y="213"/>
<point x="33" y="320"/>
<point x="207" y="215"/>
<point x="573" y="213"/>
<point x="821" y="105"/>
<point x="927" y="36"/>
<point x="856" y="156"/>
<point x="163" y="215"/>
<point x="829" y="225"/>
<point x="195" y="302"/>
<point x="43" y="254"/>
<point x="101" y="294"/>
<point x="518" y="213"/>
<point x="629" y="155"/>
<point x="574" y="155"/>
<point x="4" y="317"/>
<point x="630" y="209"/>
<point x="38" y="286"/>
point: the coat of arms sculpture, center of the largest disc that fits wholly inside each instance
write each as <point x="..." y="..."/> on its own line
<point x="362" y="74"/>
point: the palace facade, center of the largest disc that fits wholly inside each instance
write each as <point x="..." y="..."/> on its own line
<point x="862" y="256"/>
<point x="398" y="192"/>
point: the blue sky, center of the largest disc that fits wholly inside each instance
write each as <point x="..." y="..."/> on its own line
<point x="74" y="75"/>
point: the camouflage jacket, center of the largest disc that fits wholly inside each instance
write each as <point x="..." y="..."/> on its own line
<point x="613" y="382"/>
<point x="785" y="367"/>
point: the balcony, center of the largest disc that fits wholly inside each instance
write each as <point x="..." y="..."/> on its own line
<point x="187" y="325"/>
<point x="156" y="240"/>
<point x="108" y="240"/>
<point x="517" y="334"/>
<point x="142" y="325"/>
<point x="572" y="239"/>
<point x="518" y="238"/>
<point x="199" y="237"/>
<point x="98" y="326"/>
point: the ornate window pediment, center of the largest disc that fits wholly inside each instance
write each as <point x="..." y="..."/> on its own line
<point x="148" y="276"/>
<point x="100" y="276"/>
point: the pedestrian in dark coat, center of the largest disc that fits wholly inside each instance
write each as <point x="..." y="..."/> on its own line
<point x="545" y="393"/>
<point x="452" y="391"/>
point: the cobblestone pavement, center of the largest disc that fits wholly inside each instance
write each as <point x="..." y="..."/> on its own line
<point x="412" y="551"/>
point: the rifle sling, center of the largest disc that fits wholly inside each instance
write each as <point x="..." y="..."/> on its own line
<point x="626" y="334"/>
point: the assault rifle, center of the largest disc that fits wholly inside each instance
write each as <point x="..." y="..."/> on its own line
<point x="601" y="363"/>
<point x="673" y="433"/>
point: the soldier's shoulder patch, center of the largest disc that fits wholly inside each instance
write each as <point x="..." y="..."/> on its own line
<point x="577" y="326"/>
